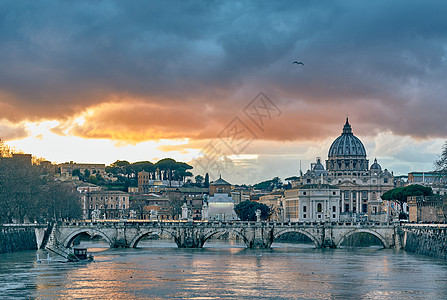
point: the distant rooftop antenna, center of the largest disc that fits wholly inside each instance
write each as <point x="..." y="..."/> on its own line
<point x="301" y="171"/>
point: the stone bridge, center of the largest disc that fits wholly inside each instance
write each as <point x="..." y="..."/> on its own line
<point x="195" y="234"/>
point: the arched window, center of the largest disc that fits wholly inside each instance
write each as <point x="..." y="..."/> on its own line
<point x="319" y="207"/>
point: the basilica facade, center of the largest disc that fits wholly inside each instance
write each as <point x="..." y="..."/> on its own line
<point x="348" y="169"/>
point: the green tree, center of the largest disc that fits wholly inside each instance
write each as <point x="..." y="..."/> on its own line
<point x="199" y="180"/>
<point x="269" y="185"/>
<point x="93" y="179"/>
<point x="118" y="167"/>
<point x="170" y="166"/>
<point x="441" y="163"/>
<point x="246" y="210"/>
<point x="400" y="194"/>
<point x="100" y="178"/>
<point x="76" y="172"/>
<point x="206" y="184"/>
<point x="142" y="166"/>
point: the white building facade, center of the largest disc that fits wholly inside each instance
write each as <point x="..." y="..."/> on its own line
<point x="312" y="203"/>
<point x="221" y="208"/>
<point x="347" y="169"/>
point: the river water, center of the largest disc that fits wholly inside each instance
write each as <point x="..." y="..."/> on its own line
<point x="225" y="270"/>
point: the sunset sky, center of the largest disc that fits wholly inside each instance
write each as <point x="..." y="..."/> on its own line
<point x="98" y="81"/>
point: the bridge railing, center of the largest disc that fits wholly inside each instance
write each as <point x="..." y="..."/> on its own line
<point x="28" y="225"/>
<point x="182" y="223"/>
<point x="419" y="225"/>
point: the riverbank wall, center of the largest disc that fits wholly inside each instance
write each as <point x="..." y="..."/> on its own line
<point x="21" y="237"/>
<point x="428" y="240"/>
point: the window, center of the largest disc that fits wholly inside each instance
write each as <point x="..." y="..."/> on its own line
<point x="347" y="194"/>
<point x="304" y="216"/>
<point x="333" y="216"/>
<point x="304" y="193"/>
<point x="385" y="180"/>
<point x="334" y="208"/>
<point x="333" y="193"/>
<point x="304" y="208"/>
<point x="319" y="207"/>
<point x="308" y="180"/>
<point x="364" y="207"/>
<point x="319" y="216"/>
<point x="346" y="207"/>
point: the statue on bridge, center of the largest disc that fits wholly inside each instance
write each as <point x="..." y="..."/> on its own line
<point x="95" y="214"/>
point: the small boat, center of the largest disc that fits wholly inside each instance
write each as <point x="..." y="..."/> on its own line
<point x="81" y="254"/>
<point x="76" y="254"/>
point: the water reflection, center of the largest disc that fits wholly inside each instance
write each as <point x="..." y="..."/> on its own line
<point x="225" y="270"/>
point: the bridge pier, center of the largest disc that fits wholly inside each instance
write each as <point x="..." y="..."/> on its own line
<point x="119" y="240"/>
<point x="189" y="237"/>
<point x="327" y="238"/>
<point x="259" y="237"/>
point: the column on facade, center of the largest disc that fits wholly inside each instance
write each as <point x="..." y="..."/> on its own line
<point x="359" y="200"/>
<point x="312" y="210"/>
<point x="351" y="201"/>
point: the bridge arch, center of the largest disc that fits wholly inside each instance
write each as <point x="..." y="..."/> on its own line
<point x="222" y="231"/>
<point x="384" y="242"/>
<point x="91" y="232"/>
<point x="136" y="239"/>
<point x="300" y="231"/>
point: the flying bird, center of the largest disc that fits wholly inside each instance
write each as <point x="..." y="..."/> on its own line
<point x="298" y="63"/>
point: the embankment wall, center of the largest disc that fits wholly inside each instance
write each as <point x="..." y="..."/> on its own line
<point x="426" y="240"/>
<point x="15" y="238"/>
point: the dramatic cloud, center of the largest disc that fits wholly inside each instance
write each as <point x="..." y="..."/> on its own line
<point x="381" y="62"/>
<point x="11" y="131"/>
<point x="142" y="71"/>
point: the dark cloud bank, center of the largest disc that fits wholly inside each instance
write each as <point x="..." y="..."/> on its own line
<point x="187" y="68"/>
